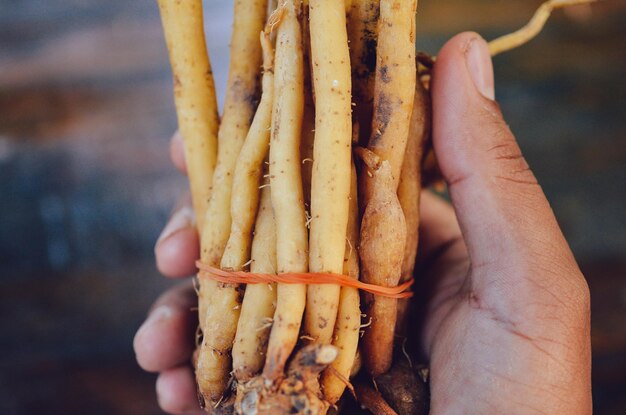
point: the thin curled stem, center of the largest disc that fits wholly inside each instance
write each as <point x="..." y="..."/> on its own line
<point x="532" y="28"/>
<point x="515" y="39"/>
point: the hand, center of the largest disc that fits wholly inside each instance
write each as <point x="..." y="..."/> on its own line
<point x="164" y="343"/>
<point x="507" y="329"/>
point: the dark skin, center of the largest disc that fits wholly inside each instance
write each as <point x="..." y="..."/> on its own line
<point x="506" y="328"/>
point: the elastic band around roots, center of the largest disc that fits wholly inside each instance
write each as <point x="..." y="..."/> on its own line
<point x="243" y="277"/>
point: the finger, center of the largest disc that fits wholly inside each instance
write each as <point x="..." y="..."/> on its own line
<point x="165" y="339"/>
<point x="502" y="211"/>
<point x="443" y="254"/>
<point x="177" y="152"/>
<point x="438" y="225"/>
<point x="178" y="247"/>
<point x="176" y="391"/>
<point x="443" y="262"/>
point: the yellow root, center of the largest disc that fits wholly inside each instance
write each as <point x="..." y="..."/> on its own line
<point x="213" y="364"/>
<point x="532" y="28"/>
<point x="383" y="228"/>
<point x="308" y="118"/>
<point x="248" y="171"/>
<point x="383" y="235"/>
<point x="346" y="334"/>
<point x="297" y="394"/>
<point x="194" y="93"/>
<point x="363" y="34"/>
<point x="257" y="308"/>
<point x="330" y="182"/>
<point x="286" y="184"/>
<point x="224" y="312"/>
<point x="410" y="188"/>
<point x="394" y="87"/>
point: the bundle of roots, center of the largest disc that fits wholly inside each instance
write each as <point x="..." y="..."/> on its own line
<point x="315" y="167"/>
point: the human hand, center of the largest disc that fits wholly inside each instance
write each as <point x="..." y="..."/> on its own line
<point x="507" y="328"/>
<point x="164" y="343"/>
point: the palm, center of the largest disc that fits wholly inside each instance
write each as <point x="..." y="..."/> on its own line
<point x="490" y="345"/>
<point x="468" y="348"/>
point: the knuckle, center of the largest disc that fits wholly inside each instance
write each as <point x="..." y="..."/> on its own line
<point x="503" y="154"/>
<point x="510" y="166"/>
<point x="490" y="114"/>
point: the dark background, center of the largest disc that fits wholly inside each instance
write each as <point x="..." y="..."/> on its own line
<point x="85" y="182"/>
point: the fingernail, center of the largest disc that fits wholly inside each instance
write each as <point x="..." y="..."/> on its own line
<point x="176" y="143"/>
<point x="480" y="66"/>
<point x="181" y="219"/>
<point x="157" y="315"/>
<point x="177" y="136"/>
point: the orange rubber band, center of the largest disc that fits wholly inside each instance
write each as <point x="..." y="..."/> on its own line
<point x="243" y="277"/>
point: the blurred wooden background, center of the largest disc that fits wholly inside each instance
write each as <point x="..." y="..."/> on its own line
<point x="85" y="182"/>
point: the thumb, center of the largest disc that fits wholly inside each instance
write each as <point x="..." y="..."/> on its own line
<point x="504" y="215"/>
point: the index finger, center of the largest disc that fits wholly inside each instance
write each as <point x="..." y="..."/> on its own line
<point x="439" y="227"/>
